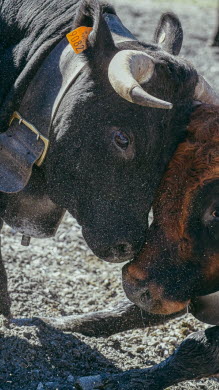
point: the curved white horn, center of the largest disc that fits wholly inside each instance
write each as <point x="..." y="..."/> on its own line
<point x="205" y="93"/>
<point x="127" y="70"/>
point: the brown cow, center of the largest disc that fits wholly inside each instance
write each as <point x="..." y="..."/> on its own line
<point x="180" y="259"/>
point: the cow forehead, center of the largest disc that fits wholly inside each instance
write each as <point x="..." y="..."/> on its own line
<point x="195" y="163"/>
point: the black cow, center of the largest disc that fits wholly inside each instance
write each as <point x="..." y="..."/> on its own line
<point x="106" y="113"/>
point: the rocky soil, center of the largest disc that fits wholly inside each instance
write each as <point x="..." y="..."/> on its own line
<point x="60" y="276"/>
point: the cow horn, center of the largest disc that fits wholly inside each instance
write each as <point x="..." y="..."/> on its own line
<point x="205" y="93"/>
<point x="127" y="70"/>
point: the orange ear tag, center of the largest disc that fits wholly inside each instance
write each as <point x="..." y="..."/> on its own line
<point x="78" y="38"/>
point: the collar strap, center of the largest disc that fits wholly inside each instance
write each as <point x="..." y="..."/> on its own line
<point x="45" y="140"/>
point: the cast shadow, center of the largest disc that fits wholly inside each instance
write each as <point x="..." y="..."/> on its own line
<point x="46" y="355"/>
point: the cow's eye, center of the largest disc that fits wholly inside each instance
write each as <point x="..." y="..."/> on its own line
<point x="215" y="214"/>
<point x="121" y="140"/>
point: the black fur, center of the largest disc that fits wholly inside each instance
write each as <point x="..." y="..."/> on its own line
<point x="85" y="172"/>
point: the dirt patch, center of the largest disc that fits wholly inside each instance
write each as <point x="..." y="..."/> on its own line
<point x="61" y="276"/>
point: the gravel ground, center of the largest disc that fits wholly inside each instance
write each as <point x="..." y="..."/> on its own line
<point x="61" y="276"/>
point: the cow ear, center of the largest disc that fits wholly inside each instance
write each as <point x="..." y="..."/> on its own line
<point x="169" y="33"/>
<point x="90" y="14"/>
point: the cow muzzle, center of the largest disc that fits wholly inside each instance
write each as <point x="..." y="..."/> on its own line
<point x="147" y="294"/>
<point x="119" y="253"/>
<point x="108" y="246"/>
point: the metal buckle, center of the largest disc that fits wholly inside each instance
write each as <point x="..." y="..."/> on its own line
<point x="16" y="115"/>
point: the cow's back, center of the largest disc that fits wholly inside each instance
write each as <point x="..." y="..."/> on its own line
<point x="28" y="32"/>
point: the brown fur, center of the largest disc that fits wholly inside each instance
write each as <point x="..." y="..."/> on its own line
<point x="195" y="162"/>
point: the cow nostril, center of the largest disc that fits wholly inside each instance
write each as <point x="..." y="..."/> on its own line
<point x="121" y="252"/>
<point x="146" y="296"/>
<point x="123" y="249"/>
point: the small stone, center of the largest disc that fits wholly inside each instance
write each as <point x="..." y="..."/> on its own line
<point x="89" y="382"/>
<point x="166" y="353"/>
<point x="27" y="335"/>
<point x="76" y="353"/>
<point x="141" y="348"/>
<point x="40" y="386"/>
<point x="174" y="341"/>
<point x="51" y="385"/>
<point x="70" y="379"/>
<point x="91" y="302"/>
<point x="166" y="339"/>
<point x="153" y="343"/>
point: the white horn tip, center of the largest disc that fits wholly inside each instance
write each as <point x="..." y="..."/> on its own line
<point x="139" y="96"/>
<point x="205" y="93"/>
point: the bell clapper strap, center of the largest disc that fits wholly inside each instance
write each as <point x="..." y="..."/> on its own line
<point x="45" y="140"/>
